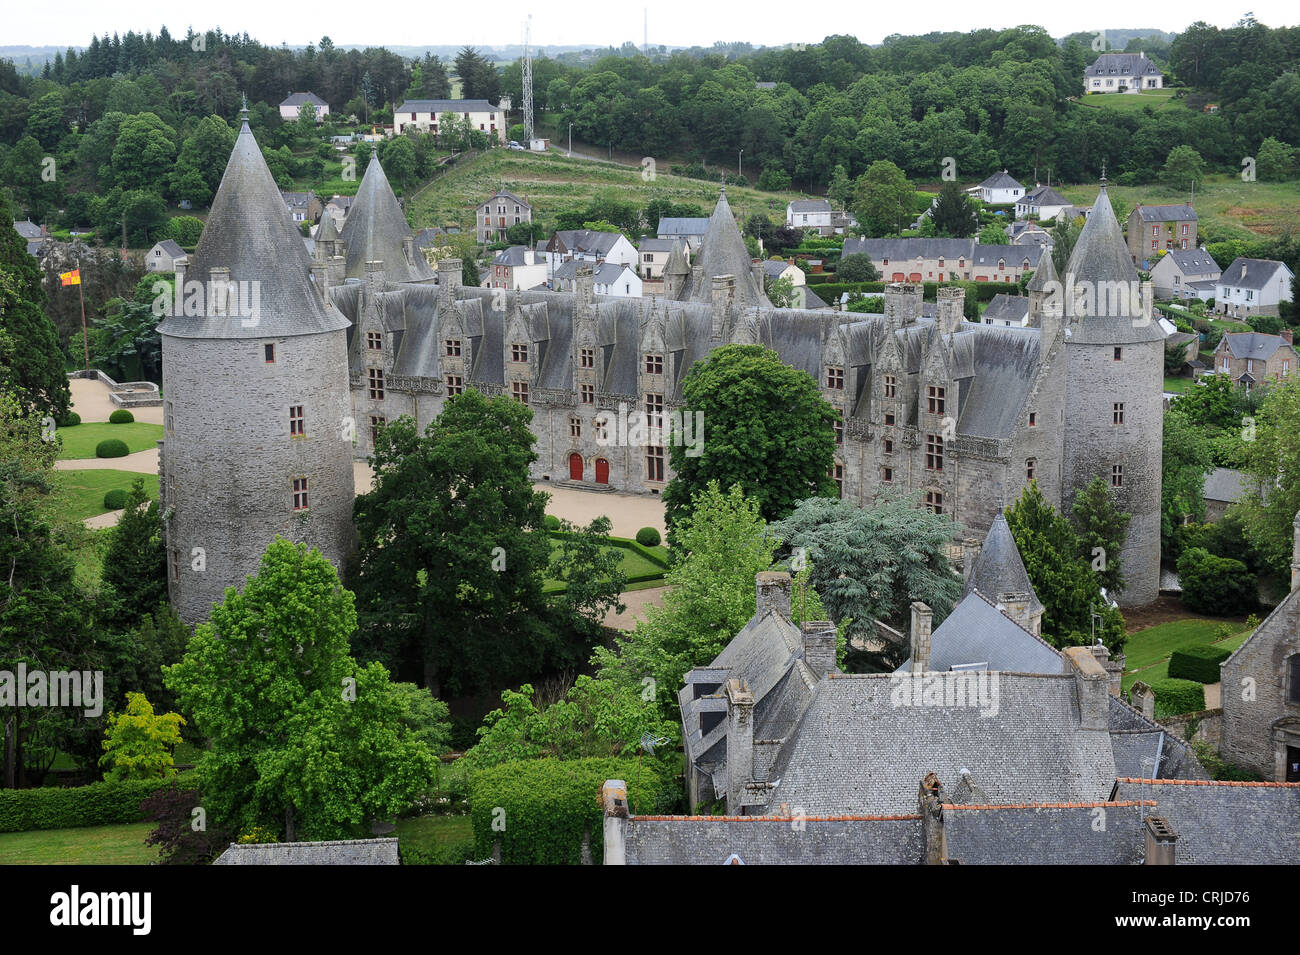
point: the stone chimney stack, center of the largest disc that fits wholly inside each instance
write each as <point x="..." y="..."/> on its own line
<point x="922" y="617"/>
<point x="1114" y="668"/>
<point x="1052" y="320"/>
<point x="1093" y="686"/>
<point x="773" y="592"/>
<point x="1160" y="840"/>
<point x="724" y="293"/>
<point x="448" y="279"/>
<point x="408" y="247"/>
<point x="819" y="646"/>
<point x="902" y="304"/>
<point x="180" y="265"/>
<point x="950" y="312"/>
<point x="320" y="278"/>
<point x="930" y="804"/>
<point x="970" y="552"/>
<point x="740" y="744"/>
<point x="613" y="800"/>
<point x="374" y="280"/>
<point x="1288" y="336"/>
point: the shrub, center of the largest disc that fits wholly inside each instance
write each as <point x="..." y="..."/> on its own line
<point x="548" y="805"/>
<point x="99" y="804"/>
<point x="1218" y="768"/>
<point x="1215" y="585"/>
<point x="121" y="416"/>
<point x="112" y="448"/>
<point x="648" y="537"/>
<point x="69" y="420"/>
<point x="1197" y="663"/>
<point x="1174" y="697"/>
<point x="453" y="853"/>
<point x="551" y="522"/>
<point x="115" y="499"/>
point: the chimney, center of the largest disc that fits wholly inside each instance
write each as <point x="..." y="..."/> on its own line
<point x="930" y="804"/>
<point x="1143" y="699"/>
<point x="180" y="265"/>
<point x="1288" y="336"/>
<point x="819" y="646"/>
<point x="902" y="304"/>
<point x="1160" y="839"/>
<point x="723" y="292"/>
<point x="448" y="278"/>
<point x="1114" y="668"/>
<point x="1050" y="320"/>
<point x="320" y="278"/>
<point x="922" y="617"/>
<point x="408" y="247"/>
<point x="773" y="593"/>
<point x="1243" y="270"/>
<point x="970" y="552"/>
<point x="950" y="310"/>
<point x="740" y="744"/>
<point x="1093" y="686"/>
<point x="218" y="291"/>
<point x="374" y="279"/>
<point x="613" y="800"/>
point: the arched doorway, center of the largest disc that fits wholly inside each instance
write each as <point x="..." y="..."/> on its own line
<point x="575" y="467"/>
<point x="602" y="471"/>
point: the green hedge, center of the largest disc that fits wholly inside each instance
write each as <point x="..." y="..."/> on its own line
<point x="455" y="853"/>
<point x="627" y="544"/>
<point x="982" y="291"/>
<point x="115" y="499"/>
<point x="551" y="522"/>
<point x="69" y="420"/>
<point x="545" y="805"/>
<point x="99" y="804"/>
<point x="121" y="416"/>
<point x="1216" y="585"/>
<point x="112" y="448"/>
<point x="1200" y="664"/>
<point x="1174" y="697"/>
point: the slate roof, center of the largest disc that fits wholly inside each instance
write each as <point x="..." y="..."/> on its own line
<point x="651" y="244"/>
<point x="440" y="106"/>
<point x="856" y="751"/>
<point x="515" y="255"/>
<point x="342" y="852"/>
<point x="1143" y="747"/>
<point x="170" y="247"/>
<point x="506" y="193"/>
<point x="299" y="99"/>
<point x="1044" y="196"/>
<point x="775" y="268"/>
<point x="810" y="205"/>
<point x="1052" y="834"/>
<point x="375" y="230"/>
<point x="1225" y="823"/>
<point x="1000" y="180"/>
<point x="1124" y="64"/>
<point x="28" y="229"/>
<point x="1259" y="272"/>
<point x="328" y="230"/>
<point x="677" y="264"/>
<point x="250" y="232"/>
<point x="977" y="632"/>
<point x="724" y="253"/>
<point x="1180" y="212"/>
<point x="1193" y="261"/>
<point x="298" y="198"/>
<point x="1253" y="345"/>
<point x="605" y="274"/>
<point x="904" y="250"/>
<point x="1225" y="484"/>
<point x="1007" y="308"/>
<point x="587" y="241"/>
<point x="1014" y="255"/>
<point x="811" y="300"/>
<point x="683" y="225"/>
<point x="998" y="569"/>
<point x="772" y="840"/>
<point x="1045" y="276"/>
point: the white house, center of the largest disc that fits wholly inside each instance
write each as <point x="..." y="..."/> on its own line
<point x="425" y="114"/>
<point x="293" y="104"/>
<point x="517" y="267"/>
<point x="1122" y="72"/>
<point x="1041" y="202"/>
<point x="809" y="214"/>
<point x="589" y="246"/>
<point x="609" y="278"/>
<point x="998" y="189"/>
<point x="1010" y="310"/>
<point x="776" y="269"/>
<point x="163" y="256"/>
<point x="653" y="254"/>
<point x="1190" y="273"/>
<point x="1253" y="287"/>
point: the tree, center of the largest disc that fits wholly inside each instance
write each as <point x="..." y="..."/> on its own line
<point x="1216" y="585"/>
<point x="780" y="292"/>
<point x="1185" y="461"/>
<point x="870" y="563"/>
<point x="30" y="347"/>
<point x="303" y="740"/>
<point x="591" y="572"/>
<point x="1273" y="460"/>
<point x="1183" y="167"/>
<point x="769" y="430"/>
<point x="857" y="267"/>
<point x="478" y="77"/>
<point x="1102" y="528"/>
<point x="953" y="214"/>
<point x="774" y="178"/>
<point x="1064" y="235"/>
<point x="840" y="189"/>
<point x="144" y="153"/>
<point x="398" y="157"/>
<point x="138" y="743"/>
<point x="883" y="199"/>
<point x="178" y="841"/>
<point x="1275" y="161"/>
<point x="451" y="562"/>
<point x="993" y="234"/>
<point x="134" y="577"/>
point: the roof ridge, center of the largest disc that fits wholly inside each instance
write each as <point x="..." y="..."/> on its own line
<point x="1053" y="805"/>
<point x="785" y="819"/>
<point x="1208" y="782"/>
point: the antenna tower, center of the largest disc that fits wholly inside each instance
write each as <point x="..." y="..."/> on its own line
<point x="528" y="83"/>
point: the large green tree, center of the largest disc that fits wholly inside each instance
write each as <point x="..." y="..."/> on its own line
<point x="1102" y="528"/>
<point x="134" y="578"/>
<point x="1273" y="461"/>
<point x="30" y="345"/>
<point x="883" y="199"/>
<point x="953" y="213"/>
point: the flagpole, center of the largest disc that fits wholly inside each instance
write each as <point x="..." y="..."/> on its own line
<point x="85" y="342"/>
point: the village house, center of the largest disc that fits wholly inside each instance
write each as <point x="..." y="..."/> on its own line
<point x="1253" y="287"/>
<point x="653" y="253"/>
<point x="809" y="214"/>
<point x="1251" y="357"/>
<point x="1024" y="232"/>
<point x="776" y="269"/>
<point x="517" y="267"/>
<point x="689" y="229"/>
<point x="608" y="278"/>
<point x="494" y="217"/>
<point x="1041" y="202"/>
<point x="1223" y="487"/>
<point x="936" y="260"/>
<point x="1187" y="274"/>
<point x="1012" y="310"/>
<point x="337" y="208"/>
<point x="998" y="189"/>
<point x="425" y="115"/>
<point x="292" y="106"/>
<point x="1121" y="72"/>
<point x="34" y="235"/>
<point x="163" y="256"/>
<point x="303" y="206"/>
<point x="1153" y="228"/>
<point x="588" y="245"/>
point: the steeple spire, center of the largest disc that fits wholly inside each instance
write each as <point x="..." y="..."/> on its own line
<point x="243" y="113"/>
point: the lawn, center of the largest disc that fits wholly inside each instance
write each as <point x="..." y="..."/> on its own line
<point x="83" y="491"/>
<point x="80" y="440"/>
<point x="1133" y="102"/>
<point x="432" y="832"/>
<point x="1147" y="651"/>
<point x="1178" y="386"/>
<point x="91" y="845"/>
<point x="631" y="563"/>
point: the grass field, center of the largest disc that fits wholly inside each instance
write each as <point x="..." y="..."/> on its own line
<point x="80" y="440"/>
<point x="92" y="845"/>
<point x="84" y="490"/>
<point x="431" y="832"/>
<point x="1132" y="102"/>
<point x="1147" y="651"/>
<point x="1177" y="386"/>
<point x="631" y="563"/>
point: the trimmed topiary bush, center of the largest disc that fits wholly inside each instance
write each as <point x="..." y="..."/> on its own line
<point x="69" y="420"/>
<point x="112" y="448"/>
<point x="121" y="416"/>
<point x="551" y="522"/>
<point x="648" y="537"/>
<point x="1197" y="663"/>
<point x="115" y="499"/>
<point x="1175" y="697"/>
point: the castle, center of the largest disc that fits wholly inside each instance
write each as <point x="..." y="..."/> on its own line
<point x="964" y="414"/>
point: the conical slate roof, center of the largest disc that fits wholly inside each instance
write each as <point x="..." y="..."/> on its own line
<point x="375" y="230"/>
<point x="1044" y="274"/>
<point x="1100" y="254"/>
<point x="724" y="253"/>
<point x="677" y="260"/>
<point x="999" y="570"/>
<point x="328" y="230"/>
<point x="249" y="232"/>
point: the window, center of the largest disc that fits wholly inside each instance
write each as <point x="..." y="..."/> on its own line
<point x="376" y="384"/>
<point x="575" y="427"/>
<point x="1033" y="419"/>
<point x="168" y="418"/>
<point x="654" y="364"/>
<point x="934" y="402"/>
<point x="1117" y="475"/>
<point x="1031" y="465"/>
<point x="654" y="464"/>
<point x="839" y="432"/>
<point x="933" y="452"/>
<point x="835" y="379"/>
<point x="836" y="473"/>
<point x="519" y="353"/>
<point x="654" y="411"/>
<point x="934" y="502"/>
<point x="377" y="423"/>
<point x="519" y="390"/>
<point x="1117" y="413"/>
<point x="1119" y="353"/>
<point x="297" y="424"/>
<point x="268" y="354"/>
<point x="891" y="386"/>
<point x="887" y="446"/>
<point x="1250" y="364"/>
<point x="374" y="341"/>
<point x="300" y="494"/>
<point x="455" y="385"/>
<point x="886" y="475"/>
<point x="1294" y="695"/>
<point x="1155" y="230"/>
<point x="588" y="394"/>
<point x="889" y="419"/>
<point x="452" y="347"/>
<point x="602" y="430"/>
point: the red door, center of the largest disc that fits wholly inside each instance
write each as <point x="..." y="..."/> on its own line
<point x="898" y="277"/>
<point x="602" y="471"/>
<point x="575" y="467"/>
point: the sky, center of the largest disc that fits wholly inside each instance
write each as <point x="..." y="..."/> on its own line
<point x="671" y="22"/>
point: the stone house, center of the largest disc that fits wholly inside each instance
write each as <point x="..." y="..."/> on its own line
<point x="1122" y="72"/>
<point x="163" y="256"/>
<point x="494" y="217"/>
<point x="1187" y="274"/>
<point x="653" y="256"/>
<point x="425" y="115"/>
<point x="1152" y="229"/>
<point x="941" y="260"/>
<point x="690" y="230"/>
<point x="1253" y="287"/>
<point x="303" y="206"/>
<point x="1223" y="487"/>
<point x="1251" y="357"/>
<point x="517" y="267"/>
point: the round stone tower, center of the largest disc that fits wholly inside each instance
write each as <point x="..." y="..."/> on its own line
<point x="257" y="434"/>
<point x="1114" y="410"/>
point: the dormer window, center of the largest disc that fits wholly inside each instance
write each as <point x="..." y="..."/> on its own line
<point x="519" y="353"/>
<point x="451" y="347"/>
<point x="587" y="357"/>
<point x="654" y="364"/>
<point x="835" y="378"/>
